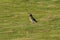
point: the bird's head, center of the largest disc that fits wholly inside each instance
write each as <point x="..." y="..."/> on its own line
<point x="30" y="14"/>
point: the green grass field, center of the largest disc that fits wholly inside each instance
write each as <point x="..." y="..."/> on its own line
<point x="15" y="24"/>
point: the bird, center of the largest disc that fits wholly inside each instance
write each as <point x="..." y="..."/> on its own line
<point x="32" y="19"/>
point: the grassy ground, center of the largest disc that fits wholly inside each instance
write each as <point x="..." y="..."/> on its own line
<point x="15" y="24"/>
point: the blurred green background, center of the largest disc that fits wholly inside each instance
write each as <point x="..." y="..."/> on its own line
<point x="15" y="24"/>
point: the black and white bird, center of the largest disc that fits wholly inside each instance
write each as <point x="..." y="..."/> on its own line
<point x="32" y="19"/>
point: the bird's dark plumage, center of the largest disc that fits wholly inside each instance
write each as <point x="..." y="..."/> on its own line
<point x="32" y="19"/>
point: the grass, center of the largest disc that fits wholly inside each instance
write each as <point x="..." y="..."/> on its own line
<point x="15" y="24"/>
